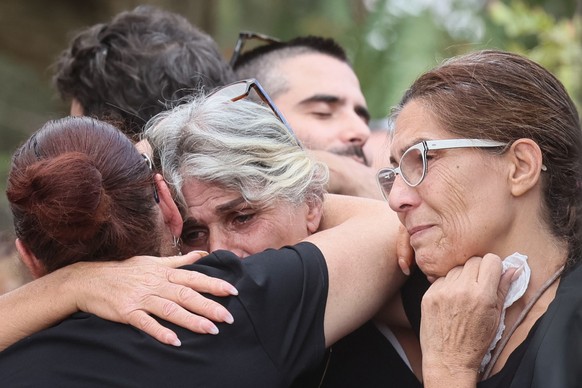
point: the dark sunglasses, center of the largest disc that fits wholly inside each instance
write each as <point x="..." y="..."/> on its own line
<point x="245" y="36"/>
<point x="242" y="89"/>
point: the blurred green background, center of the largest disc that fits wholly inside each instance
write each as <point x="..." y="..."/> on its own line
<point x="390" y="42"/>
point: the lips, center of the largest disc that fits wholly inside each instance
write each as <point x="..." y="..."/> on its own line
<point x="417" y="229"/>
<point x="417" y="232"/>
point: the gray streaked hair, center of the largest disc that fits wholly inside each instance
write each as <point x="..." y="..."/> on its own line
<point x="240" y="146"/>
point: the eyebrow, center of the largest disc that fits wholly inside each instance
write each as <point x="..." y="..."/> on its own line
<point x="230" y="205"/>
<point x="191" y="221"/>
<point x="327" y="98"/>
<point x="404" y="148"/>
<point x="360" y="110"/>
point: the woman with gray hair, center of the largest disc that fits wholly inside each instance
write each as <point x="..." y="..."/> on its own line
<point x="236" y="190"/>
<point x="369" y="268"/>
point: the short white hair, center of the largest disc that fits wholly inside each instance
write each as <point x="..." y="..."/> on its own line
<point x="240" y="146"/>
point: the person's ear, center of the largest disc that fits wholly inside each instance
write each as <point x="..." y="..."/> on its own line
<point x="526" y="165"/>
<point x="144" y="147"/>
<point x="313" y="217"/>
<point x="170" y="212"/>
<point x="29" y="259"/>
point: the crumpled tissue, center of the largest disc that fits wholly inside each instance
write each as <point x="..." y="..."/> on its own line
<point x="516" y="291"/>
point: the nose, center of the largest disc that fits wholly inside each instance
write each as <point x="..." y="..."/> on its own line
<point x="221" y="240"/>
<point x="356" y="130"/>
<point x="402" y="197"/>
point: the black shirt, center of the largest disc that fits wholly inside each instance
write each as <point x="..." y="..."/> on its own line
<point x="277" y="333"/>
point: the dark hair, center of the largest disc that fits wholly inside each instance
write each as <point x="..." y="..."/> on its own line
<point x="310" y="43"/>
<point x="129" y="69"/>
<point x="80" y="191"/>
<point x="503" y="96"/>
<point x="262" y="62"/>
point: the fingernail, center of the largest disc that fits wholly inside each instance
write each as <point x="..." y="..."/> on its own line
<point x="176" y="342"/>
<point x="228" y="318"/>
<point x="212" y="330"/>
<point x="403" y="264"/>
<point x="202" y="253"/>
<point x="516" y="274"/>
<point x="231" y="289"/>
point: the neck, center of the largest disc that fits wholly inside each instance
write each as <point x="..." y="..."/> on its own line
<point x="543" y="264"/>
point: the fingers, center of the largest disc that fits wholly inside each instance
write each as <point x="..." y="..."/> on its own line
<point x="490" y="269"/>
<point x="506" y="279"/>
<point x="404" y="251"/>
<point x="149" y="325"/>
<point x="201" y="282"/>
<point x="173" y="312"/>
<point x="181" y="260"/>
<point x="193" y="279"/>
<point x="198" y="304"/>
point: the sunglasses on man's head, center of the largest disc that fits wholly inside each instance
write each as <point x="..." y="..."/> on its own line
<point x="243" y="38"/>
<point x="242" y="89"/>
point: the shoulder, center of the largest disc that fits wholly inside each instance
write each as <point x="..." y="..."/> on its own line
<point x="554" y="355"/>
<point x="302" y="259"/>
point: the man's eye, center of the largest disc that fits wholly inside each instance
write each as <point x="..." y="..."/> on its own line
<point x="321" y="115"/>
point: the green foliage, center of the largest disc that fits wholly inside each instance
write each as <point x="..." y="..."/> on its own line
<point x="554" y="43"/>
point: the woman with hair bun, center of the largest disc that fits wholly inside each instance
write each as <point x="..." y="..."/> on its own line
<point x="80" y="192"/>
<point x="77" y="199"/>
<point x="292" y="302"/>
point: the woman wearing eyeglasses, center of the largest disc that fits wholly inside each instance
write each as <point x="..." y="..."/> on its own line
<point x="487" y="156"/>
<point x="292" y="302"/>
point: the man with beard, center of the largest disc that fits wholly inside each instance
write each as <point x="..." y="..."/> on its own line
<point x="313" y="84"/>
<point x="311" y="81"/>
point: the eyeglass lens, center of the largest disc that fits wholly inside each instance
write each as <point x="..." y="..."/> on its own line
<point x="252" y="90"/>
<point x="412" y="165"/>
<point x="234" y="92"/>
<point x="412" y="168"/>
<point x="386" y="179"/>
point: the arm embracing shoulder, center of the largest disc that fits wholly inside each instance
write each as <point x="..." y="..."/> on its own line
<point x="128" y="291"/>
<point x="360" y="252"/>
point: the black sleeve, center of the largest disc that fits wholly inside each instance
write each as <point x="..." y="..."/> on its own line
<point x="277" y="332"/>
<point x="284" y="293"/>
<point x="412" y="292"/>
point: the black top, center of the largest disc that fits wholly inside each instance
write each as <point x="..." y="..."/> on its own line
<point x="277" y="333"/>
<point x="366" y="358"/>
<point x="550" y="356"/>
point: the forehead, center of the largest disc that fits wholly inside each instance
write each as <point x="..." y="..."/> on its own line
<point x="206" y="197"/>
<point x="415" y="123"/>
<point x="309" y="74"/>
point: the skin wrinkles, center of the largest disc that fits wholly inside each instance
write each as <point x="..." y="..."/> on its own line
<point x="462" y="195"/>
<point x="222" y="219"/>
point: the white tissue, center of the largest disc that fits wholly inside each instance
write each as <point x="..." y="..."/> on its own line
<point x="516" y="291"/>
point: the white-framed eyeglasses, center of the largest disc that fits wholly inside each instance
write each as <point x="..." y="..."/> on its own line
<point x="242" y="89"/>
<point x="413" y="163"/>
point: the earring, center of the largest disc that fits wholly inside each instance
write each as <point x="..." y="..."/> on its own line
<point x="177" y="244"/>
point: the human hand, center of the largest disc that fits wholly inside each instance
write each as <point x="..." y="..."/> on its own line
<point x="129" y="291"/>
<point x="404" y="251"/>
<point x="460" y="316"/>
<point x="349" y="177"/>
